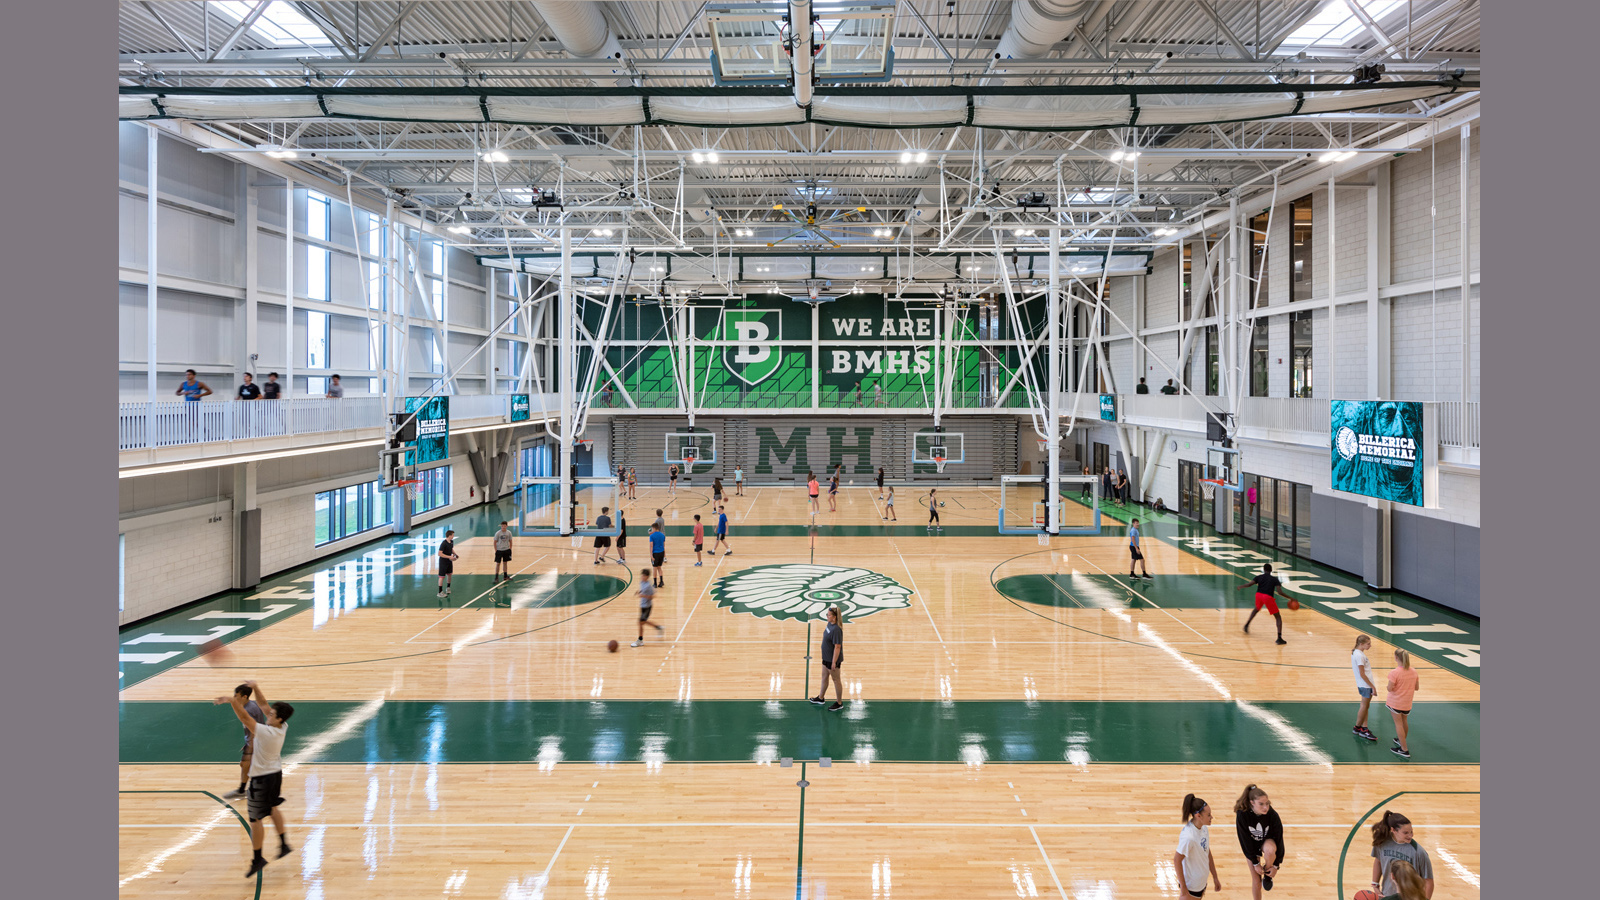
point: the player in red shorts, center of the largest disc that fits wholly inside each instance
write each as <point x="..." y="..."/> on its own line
<point x="1265" y="584"/>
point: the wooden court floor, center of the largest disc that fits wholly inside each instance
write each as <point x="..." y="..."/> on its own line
<point x="1022" y="719"/>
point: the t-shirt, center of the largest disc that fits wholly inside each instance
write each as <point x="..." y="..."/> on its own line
<point x="446" y="548"/>
<point x="1254" y="831"/>
<point x="1359" y="662"/>
<point x="335" y="391"/>
<point x="268" y="755"/>
<point x="812" y="487"/>
<point x="249" y="391"/>
<point x="502" y="538"/>
<point x="722" y="523"/>
<point x="658" y="542"/>
<point x="1266" y="584"/>
<point x="699" y="533"/>
<point x="1133" y="536"/>
<point x="1402" y="688"/>
<point x="270" y="390"/>
<point x="1391" y="851"/>
<point x="661" y="524"/>
<point x="738" y="474"/>
<point x="1142" y="389"/>
<point x="1195" y="845"/>
<point x="832" y="636"/>
<point x="1169" y="389"/>
<point x="601" y="521"/>
<point x="253" y="710"/>
<point x="647" y="594"/>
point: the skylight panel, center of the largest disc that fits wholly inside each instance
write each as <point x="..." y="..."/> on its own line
<point x="1334" y="24"/>
<point x="281" y="24"/>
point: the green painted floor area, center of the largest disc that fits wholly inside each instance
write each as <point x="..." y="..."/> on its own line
<point x="1078" y="591"/>
<point x="747" y="730"/>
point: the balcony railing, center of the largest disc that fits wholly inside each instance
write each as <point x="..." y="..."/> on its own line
<point x="801" y="400"/>
<point x="1459" y="425"/>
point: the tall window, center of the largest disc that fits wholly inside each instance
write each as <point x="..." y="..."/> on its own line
<point x="122" y="571"/>
<point x="1300" y="354"/>
<point x="375" y="240"/>
<point x="351" y="510"/>
<point x="1188" y="279"/>
<point x="1258" y="358"/>
<point x="316" y="340"/>
<point x="318" y="216"/>
<point x="1300" y="249"/>
<point x="1212" y="361"/>
<point x="1258" y="255"/>
<point x="434" y="491"/>
<point x="438" y="257"/>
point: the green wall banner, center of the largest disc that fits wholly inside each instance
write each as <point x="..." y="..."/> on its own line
<point x="1381" y="449"/>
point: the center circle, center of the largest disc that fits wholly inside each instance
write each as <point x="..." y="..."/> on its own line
<point x="825" y="595"/>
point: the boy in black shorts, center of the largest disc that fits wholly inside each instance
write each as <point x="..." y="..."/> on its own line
<point x="266" y="773"/>
<point x="1265" y="584"/>
<point x="602" y="543"/>
<point x="647" y="600"/>
<point x="447" y="562"/>
<point x="502" y="552"/>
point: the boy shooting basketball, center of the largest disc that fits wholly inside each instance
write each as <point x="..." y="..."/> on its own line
<point x="266" y="772"/>
<point x="245" y="753"/>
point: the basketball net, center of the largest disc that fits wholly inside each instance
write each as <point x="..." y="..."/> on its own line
<point x="411" y="489"/>
<point x="938" y="464"/>
<point x="1208" y="488"/>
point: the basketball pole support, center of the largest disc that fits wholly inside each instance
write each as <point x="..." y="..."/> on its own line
<point x="567" y="379"/>
<point x="1053" y="402"/>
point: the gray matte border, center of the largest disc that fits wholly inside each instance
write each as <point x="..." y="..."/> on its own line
<point x="1540" y="610"/>
<point x="59" y="755"/>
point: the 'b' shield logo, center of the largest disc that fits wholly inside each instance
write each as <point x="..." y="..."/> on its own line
<point x="804" y="591"/>
<point x="755" y="354"/>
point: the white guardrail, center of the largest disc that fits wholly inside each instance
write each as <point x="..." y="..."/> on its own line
<point x="171" y="423"/>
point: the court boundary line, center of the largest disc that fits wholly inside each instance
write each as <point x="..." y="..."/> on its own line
<point x="925" y="609"/>
<point x="226" y="805"/>
<point x="1127" y="826"/>
<point x="486" y="593"/>
<point x="1115" y="580"/>
<point x="709" y="582"/>
<point x="1339" y="872"/>
<point x="1048" y="864"/>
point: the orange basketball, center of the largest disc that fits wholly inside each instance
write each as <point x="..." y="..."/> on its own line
<point x="1294" y="604"/>
<point x="214" y="653"/>
<point x="1366" y="895"/>
<point x="612" y="646"/>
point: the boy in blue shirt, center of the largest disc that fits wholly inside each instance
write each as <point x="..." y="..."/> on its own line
<point x="658" y="553"/>
<point x="722" y="532"/>
<point x="1135" y="552"/>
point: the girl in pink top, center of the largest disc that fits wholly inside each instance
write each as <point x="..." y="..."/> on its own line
<point x="813" y="488"/>
<point x="1402" y="689"/>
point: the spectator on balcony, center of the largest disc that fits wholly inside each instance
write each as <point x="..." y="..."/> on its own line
<point x="1169" y="387"/>
<point x="272" y="388"/>
<point x="335" y="389"/>
<point x="1142" y="388"/>
<point x="249" y="390"/>
<point x="192" y="388"/>
<point x="605" y="394"/>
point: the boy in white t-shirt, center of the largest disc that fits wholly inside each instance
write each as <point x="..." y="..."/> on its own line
<point x="1364" y="685"/>
<point x="266" y="773"/>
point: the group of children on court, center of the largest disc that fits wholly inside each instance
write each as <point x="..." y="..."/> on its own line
<point x="1401" y="869"/>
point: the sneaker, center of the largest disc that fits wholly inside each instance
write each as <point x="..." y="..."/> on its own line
<point x="659" y="628"/>
<point x="1266" y="882"/>
<point x="440" y="594"/>
<point x="836" y="706"/>
<point x="1400" y="752"/>
<point x="1358" y="731"/>
<point x="284" y="849"/>
<point x="234" y="794"/>
<point x="818" y="700"/>
<point x="1280" y="641"/>
<point x="1247" y="629"/>
<point x="638" y="643"/>
<point x="256" y="865"/>
<point x="1394" y="743"/>
<point x="727" y="553"/>
<point x="698" y="565"/>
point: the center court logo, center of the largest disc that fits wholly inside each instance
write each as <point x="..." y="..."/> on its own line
<point x="803" y="591"/>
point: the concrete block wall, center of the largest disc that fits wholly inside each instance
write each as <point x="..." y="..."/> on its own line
<point x="1427" y="345"/>
<point x="169" y="564"/>
<point x="1425" y="203"/>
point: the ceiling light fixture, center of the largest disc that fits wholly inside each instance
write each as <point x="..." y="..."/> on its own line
<point x="496" y="156"/>
<point x="459" y="229"/>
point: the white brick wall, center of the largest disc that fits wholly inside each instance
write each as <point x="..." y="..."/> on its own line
<point x="1162" y="292"/>
<point x="1412" y="236"/>
<point x="168" y="565"/>
<point x="1349" y="377"/>
<point x="1427" y="345"/>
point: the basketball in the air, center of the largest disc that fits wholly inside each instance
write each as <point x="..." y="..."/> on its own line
<point x="612" y="646"/>
<point x="214" y="653"/>
<point x="1294" y="604"/>
<point x="1366" y="895"/>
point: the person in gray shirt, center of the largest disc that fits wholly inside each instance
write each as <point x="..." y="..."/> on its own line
<point x="502" y="552"/>
<point x="602" y="543"/>
<point x="335" y="389"/>
<point x="832" y="659"/>
<point x="1392" y="839"/>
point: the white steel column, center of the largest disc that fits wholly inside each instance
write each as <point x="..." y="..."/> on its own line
<point x="568" y="377"/>
<point x="816" y="356"/>
<point x="1466" y="263"/>
<point x="489" y="316"/>
<point x="252" y="272"/>
<point x="288" y="290"/>
<point x="1379" y="339"/>
<point x="1053" y="403"/>
<point x="152" y="139"/>
<point x="1333" y="288"/>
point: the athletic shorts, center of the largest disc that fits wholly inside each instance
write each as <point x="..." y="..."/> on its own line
<point x="644" y="613"/>
<point x="622" y="541"/>
<point x="832" y="491"/>
<point x="813" y="496"/>
<point x="248" y="749"/>
<point x="602" y="541"/>
<point x="501" y="556"/>
<point x="722" y="535"/>
<point x="1197" y="894"/>
<point x="1268" y="602"/>
<point x="658" y="559"/>
<point x="889" y="502"/>
<point x="699" y="547"/>
<point x="1398" y="712"/>
<point x="1135" y="551"/>
<point x="447" y="566"/>
<point x="834" y="668"/>
<point x="1366" y="693"/>
<point x="264" y="794"/>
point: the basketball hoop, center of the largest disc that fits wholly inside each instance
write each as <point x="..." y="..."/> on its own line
<point x="1208" y="487"/>
<point x="410" y="486"/>
<point x="938" y="464"/>
<point x="1044" y="445"/>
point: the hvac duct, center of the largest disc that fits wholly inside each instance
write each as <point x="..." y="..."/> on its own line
<point x="580" y="28"/>
<point x="1037" y="25"/>
<point x="800" y="27"/>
